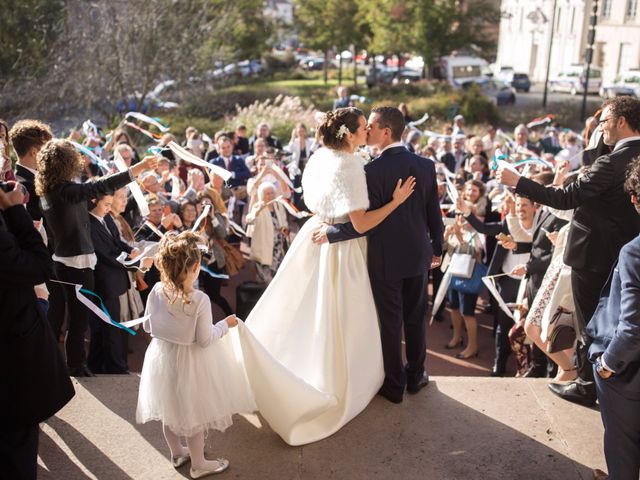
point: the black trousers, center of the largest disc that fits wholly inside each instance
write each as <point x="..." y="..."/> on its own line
<point x="19" y="453"/>
<point x="401" y="303"/>
<point x="586" y="288"/>
<point x="78" y="314"/>
<point x="107" y="348"/>
<point x="508" y="288"/>
<point x="621" y="419"/>
<point x="212" y="288"/>
<point x="436" y="279"/>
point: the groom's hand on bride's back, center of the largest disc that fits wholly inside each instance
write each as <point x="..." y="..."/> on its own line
<point x="435" y="262"/>
<point x="319" y="236"/>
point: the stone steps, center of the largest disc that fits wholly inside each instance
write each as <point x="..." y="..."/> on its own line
<point x="456" y="428"/>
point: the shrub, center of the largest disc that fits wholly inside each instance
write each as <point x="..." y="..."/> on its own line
<point x="281" y="113"/>
<point x="275" y="63"/>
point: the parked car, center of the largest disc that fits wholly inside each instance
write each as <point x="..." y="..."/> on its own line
<point x="626" y="83"/>
<point x="519" y="81"/>
<point x="391" y="76"/>
<point x="572" y="80"/>
<point x="462" y="69"/>
<point x="312" y="63"/>
<point x="499" y="92"/>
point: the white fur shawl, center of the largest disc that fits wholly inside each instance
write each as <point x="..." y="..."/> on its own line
<point x="334" y="183"/>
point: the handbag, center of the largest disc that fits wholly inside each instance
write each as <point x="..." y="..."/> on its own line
<point x="461" y="265"/>
<point x="472" y="285"/>
<point x="562" y="332"/>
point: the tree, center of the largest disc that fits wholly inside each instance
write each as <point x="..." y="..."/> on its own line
<point x="27" y="32"/>
<point x="325" y="24"/>
<point x="445" y="26"/>
<point x="391" y="23"/>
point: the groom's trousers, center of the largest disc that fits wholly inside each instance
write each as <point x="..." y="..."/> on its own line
<point x="401" y="303"/>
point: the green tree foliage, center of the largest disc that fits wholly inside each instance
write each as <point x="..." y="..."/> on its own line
<point x="433" y="28"/>
<point x="27" y="32"/>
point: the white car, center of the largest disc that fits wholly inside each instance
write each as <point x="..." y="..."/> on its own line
<point x="626" y="83"/>
<point x="572" y="80"/>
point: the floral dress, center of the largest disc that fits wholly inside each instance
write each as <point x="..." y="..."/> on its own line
<point x="280" y="247"/>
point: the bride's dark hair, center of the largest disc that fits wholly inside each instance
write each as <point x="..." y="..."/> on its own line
<point x="329" y="130"/>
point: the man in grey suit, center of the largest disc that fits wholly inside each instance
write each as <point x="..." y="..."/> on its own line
<point x="615" y="352"/>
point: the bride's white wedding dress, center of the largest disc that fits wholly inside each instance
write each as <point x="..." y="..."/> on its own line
<point x="311" y="345"/>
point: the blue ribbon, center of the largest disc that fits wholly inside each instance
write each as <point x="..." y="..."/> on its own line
<point x="212" y="273"/>
<point x="104" y="309"/>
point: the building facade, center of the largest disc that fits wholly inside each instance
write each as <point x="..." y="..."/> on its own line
<point x="525" y="36"/>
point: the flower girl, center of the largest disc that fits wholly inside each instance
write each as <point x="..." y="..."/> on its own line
<point x="190" y="379"/>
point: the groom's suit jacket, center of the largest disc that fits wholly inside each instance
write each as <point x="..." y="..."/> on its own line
<point x="403" y="245"/>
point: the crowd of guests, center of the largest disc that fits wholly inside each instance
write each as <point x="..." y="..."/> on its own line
<point x="545" y="236"/>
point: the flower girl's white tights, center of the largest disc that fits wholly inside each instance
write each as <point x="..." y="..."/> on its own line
<point x="194" y="448"/>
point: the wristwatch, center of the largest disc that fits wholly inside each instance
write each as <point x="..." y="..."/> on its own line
<point x="601" y="370"/>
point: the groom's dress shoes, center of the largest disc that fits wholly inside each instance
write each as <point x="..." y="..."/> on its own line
<point x="576" y="392"/>
<point x="416" y="387"/>
<point x="393" y="398"/>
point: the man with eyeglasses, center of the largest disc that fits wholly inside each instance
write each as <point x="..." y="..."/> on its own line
<point x="603" y="221"/>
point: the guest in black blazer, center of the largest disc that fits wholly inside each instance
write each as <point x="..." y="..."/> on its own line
<point x="35" y="383"/>
<point x="604" y="220"/>
<point x="108" y="347"/>
<point x="64" y="206"/>
<point x="28" y="137"/>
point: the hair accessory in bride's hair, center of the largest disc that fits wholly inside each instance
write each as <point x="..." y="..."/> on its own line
<point x="342" y="131"/>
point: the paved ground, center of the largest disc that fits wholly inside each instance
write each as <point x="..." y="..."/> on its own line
<point x="457" y="428"/>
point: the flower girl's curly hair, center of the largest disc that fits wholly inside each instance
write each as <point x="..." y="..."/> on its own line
<point x="330" y="132"/>
<point x="177" y="254"/>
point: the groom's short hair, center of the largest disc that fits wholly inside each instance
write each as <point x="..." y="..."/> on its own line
<point x="392" y="118"/>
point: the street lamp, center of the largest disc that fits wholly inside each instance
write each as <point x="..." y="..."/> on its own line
<point x="546" y="78"/>
<point x="591" y="36"/>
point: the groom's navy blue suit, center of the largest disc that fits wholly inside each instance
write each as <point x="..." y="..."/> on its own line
<point x="399" y="256"/>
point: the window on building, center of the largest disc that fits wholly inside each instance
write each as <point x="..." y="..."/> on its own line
<point x="605" y="11"/>
<point x="632" y="8"/>
<point x="558" y="19"/>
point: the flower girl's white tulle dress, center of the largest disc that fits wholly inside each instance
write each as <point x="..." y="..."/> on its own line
<point x="191" y="378"/>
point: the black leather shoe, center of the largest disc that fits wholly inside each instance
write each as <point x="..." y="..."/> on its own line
<point x="576" y="392"/>
<point x="416" y="387"/>
<point x="81" y="371"/>
<point x="535" y="372"/>
<point x="393" y="398"/>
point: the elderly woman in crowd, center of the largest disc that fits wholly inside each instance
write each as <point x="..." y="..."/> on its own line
<point x="268" y="231"/>
<point x="267" y="174"/>
<point x="64" y="207"/>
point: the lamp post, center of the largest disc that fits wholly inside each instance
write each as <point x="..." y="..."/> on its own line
<point x="546" y="78"/>
<point x="588" y="54"/>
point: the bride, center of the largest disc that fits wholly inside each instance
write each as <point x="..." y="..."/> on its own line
<point x="311" y="345"/>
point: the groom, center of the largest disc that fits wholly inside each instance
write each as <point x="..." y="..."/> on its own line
<point x="401" y="251"/>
